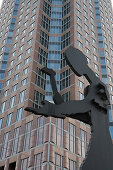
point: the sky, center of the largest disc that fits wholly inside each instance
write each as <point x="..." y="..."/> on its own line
<point x="2" y="0"/>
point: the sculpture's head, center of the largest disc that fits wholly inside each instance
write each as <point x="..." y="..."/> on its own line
<point x="76" y="60"/>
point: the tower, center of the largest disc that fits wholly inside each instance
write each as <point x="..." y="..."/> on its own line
<point x="35" y="34"/>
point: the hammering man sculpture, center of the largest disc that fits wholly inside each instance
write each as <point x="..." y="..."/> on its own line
<point x="93" y="110"/>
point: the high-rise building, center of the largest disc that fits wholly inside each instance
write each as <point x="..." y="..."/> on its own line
<point x="34" y="34"/>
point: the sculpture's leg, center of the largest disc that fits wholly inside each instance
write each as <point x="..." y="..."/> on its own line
<point x="100" y="150"/>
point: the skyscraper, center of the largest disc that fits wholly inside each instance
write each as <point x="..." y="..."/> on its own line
<point x="34" y="34"/>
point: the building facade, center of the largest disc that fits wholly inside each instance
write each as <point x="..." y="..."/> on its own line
<point x="35" y="34"/>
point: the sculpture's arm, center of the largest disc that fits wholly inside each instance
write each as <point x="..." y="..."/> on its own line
<point x="61" y="111"/>
<point x="73" y="107"/>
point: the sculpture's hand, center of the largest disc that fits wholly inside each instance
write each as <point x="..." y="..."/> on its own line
<point x="48" y="109"/>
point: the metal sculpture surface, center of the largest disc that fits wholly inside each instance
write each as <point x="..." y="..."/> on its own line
<point x="93" y="110"/>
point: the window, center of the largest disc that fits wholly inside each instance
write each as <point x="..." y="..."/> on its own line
<point x="44" y="39"/>
<point x="29" y="41"/>
<point x="59" y="132"/>
<point x="26" y="70"/>
<point x="42" y="57"/>
<point x="65" y="79"/>
<point x="47" y="8"/>
<point x="30" y="33"/>
<point x="66" y="24"/>
<point x="96" y="67"/>
<point x="18" y="67"/>
<point x="16" y="77"/>
<point x="58" y="161"/>
<point x="45" y="23"/>
<point x="38" y="161"/>
<point x="38" y="98"/>
<point x="28" y="51"/>
<point x="15" y="141"/>
<point x="27" y="136"/>
<point x="79" y="44"/>
<point x="1" y="122"/>
<point x="40" y="79"/>
<point x="4" y="145"/>
<point x="66" y="9"/>
<point x="19" y="114"/>
<point x="19" y="57"/>
<point x="65" y="40"/>
<point x="21" y="48"/>
<point x="83" y="142"/>
<point x="12" y="101"/>
<point x="72" y="137"/>
<point x="8" y="82"/>
<point x="3" y="106"/>
<point x="81" y="96"/>
<point x="26" y="60"/>
<point x="79" y="35"/>
<point x="9" y="119"/>
<point x="24" y="164"/>
<point x="72" y="165"/>
<point x="6" y="93"/>
<point x="32" y="25"/>
<point x="10" y="72"/>
<point x="22" y="95"/>
<point x="14" y="88"/>
<point x="24" y="81"/>
<point x="40" y="131"/>
<point x="81" y="84"/>
<point x="66" y="96"/>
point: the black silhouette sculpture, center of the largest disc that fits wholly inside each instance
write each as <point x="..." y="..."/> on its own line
<point x="93" y="110"/>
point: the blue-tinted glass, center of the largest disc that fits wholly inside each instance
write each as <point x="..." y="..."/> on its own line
<point x="54" y="39"/>
<point x="97" y="10"/>
<point x="54" y="56"/>
<point x="55" y="47"/>
<point x="111" y="131"/>
<point x="98" y="24"/>
<point x="49" y="98"/>
<point x="5" y="56"/>
<point x="15" y="12"/>
<point x="55" y="30"/>
<point x="12" y="25"/>
<point x="56" y="22"/>
<point x="3" y="66"/>
<point x="101" y="45"/>
<point x="103" y="70"/>
<point x="104" y="80"/>
<point x="96" y="4"/>
<point x="99" y="30"/>
<point x="98" y="16"/>
<point x="56" y="9"/>
<point x="56" y="15"/>
<point x="55" y="66"/>
<point x="48" y="87"/>
<point x="7" y="49"/>
<point x="13" y="20"/>
<point x="0" y="85"/>
<point x="102" y="61"/>
<point x="101" y="53"/>
<point x="10" y="34"/>
<point x="16" y="7"/>
<point x="17" y="1"/>
<point x="56" y="2"/>
<point x="100" y="38"/>
<point x="57" y="77"/>
<point x="110" y="115"/>
<point x="9" y="40"/>
<point x="2" y="75"/>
